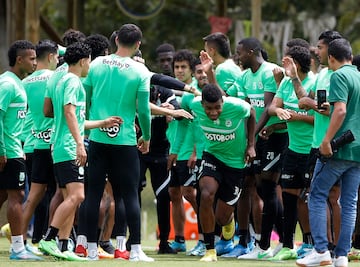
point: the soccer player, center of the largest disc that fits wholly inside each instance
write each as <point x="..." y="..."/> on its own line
<point x="228" y="125"/>
<point x="13" y="102"/>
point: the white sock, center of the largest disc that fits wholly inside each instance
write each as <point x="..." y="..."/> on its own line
<point x="92" y="249"/>
<point x="121" y="242"/>
<point x="81" y="240"/>
<point x="136" y="248"/>
<point x="17" y="243"/>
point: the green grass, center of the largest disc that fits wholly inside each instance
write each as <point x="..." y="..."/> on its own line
<point x="179" y="260"/>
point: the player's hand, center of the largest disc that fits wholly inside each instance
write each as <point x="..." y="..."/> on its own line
<point x="250" y="154"/>
<point x="112" y="121"/>
<point x="278" y="74"/>
<point x="143" y="145"/>
<point x="325" y="110"/>
<point x="206" y="60"/>
<point x="325" y="149"/>
<point x="177" y="113"/>
<point x="283" y="114"/>
<point x="80" y="155"/>
<point x="171" y="161"/>
<point x="266" y="132"/>
<point x="3" y="160"/>
<point x="290" y="67"/>
<point x="192" y="161"/>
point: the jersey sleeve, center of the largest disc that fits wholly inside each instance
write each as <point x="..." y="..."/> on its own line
<point x="7" y="94"/>
<point x="338" y="88"/>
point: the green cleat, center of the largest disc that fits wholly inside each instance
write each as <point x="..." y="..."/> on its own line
<point x="284" y="254"/>
<point x="51" y="248"/>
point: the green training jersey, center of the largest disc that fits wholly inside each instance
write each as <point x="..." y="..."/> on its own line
<point x="225" y="137"/>
<point x="256" y="84"/>
<point x="227" y="75"/>
<point x="13" y="103"/>
<point x="69" y="90"/>
<point x="345" y="88"/>
<point x="118" y="86"/>
<point x="300" y="132"/>
<point x="26" y="135"/>
<point x="35" y="87"/>
<point x="321" y="122"/>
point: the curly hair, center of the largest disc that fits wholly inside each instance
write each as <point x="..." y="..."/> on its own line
<point x="185" y="55"/>
<point x="99" y="44"/>
<point x="302" y="56"/>
<point x="76" y="51"/>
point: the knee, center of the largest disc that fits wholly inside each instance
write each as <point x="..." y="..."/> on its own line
<point x="175" y="194"/>
<point x="189" y="194"/>
<point x="207" y="197"/>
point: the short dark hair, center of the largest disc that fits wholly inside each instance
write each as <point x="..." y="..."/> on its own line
<point x="302" y="56"/>
<point x="252" y="43"/>
<point x="211" y="93"/>
<point x="221" y="43"/>
<point x="328" y="36"/>
<point x="356" y="61"/>
<point x="164" y="48"/>
<point x="98" y="43"/>
<point x="75" y="52"/>
<point x="45" y="47"/>
<point x="185" y="55"/>
<point x="298" y="42"/>
<point x="16" y="47"/>
<point x="71" y="36"/>
<point x="340" y="49"/>
<point x="129" y="34"/>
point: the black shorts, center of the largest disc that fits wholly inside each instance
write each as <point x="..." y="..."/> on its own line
<point x="230" y="179"/>
<point x="295" y="170"/>
<point x="14" y="175"/>
<point x="42" y="167"/>
<point x="68" y="172"/>
<point x="182" y="175"/>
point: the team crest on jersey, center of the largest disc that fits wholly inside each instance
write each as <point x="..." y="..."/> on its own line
<point x="228" y="123"/>
<point x="217" y="122"/>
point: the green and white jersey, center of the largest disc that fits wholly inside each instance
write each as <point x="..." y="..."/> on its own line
<point x="321" y="122"/>
<point x="300" y="132"/>
<point x="256" y="84"/>
<point x="69" y="90"/>
<point x="35" y="87"/>
<point x="54" y="79"/>
<point x="227" y="74"/>
<point x="118" y="86"/>
<point x="13" y="103"/>
<point x="26" y="136"/>
<point x="225" y="137"/>
<point x="345" y="88"/>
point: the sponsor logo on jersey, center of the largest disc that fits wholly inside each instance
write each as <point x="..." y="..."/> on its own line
<point x="43" y="135"/>
<point x="21" y="114"/>
<point x="112" y="132"/>
<point x="257" y="103"/>
<point x="115" y="63"/>
<point x="220" y="137"/>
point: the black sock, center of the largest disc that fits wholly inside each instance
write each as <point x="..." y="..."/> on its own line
<point x="307" y="239"/>
<point x="51" y="233"/>
<point x="356" y="242"/>
<point x="209" y="240"/>
<point x="63" y="244"/>
<point x="243" y="237"/>
<point x="290" y="218"/>
<point x="179" y="239"/>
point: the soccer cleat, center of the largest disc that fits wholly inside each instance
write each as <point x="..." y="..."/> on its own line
<point x="198" y="250"/>
<point x="81" y="251"/>
<point x="277" y="249"/>
<point x="93" y="255"/>
<point x="354" y="254"/>
<point x="209" y="256"/>
<point x="107" y="246"/>
<point x="24" y="255"/>
<point x="33" y="250"/>
<point x="304" y="250"/>
<point x="341" y="261"/>
<point x="284" y="254"/>
<point x="257" y="254"/>
<point x="139" y="256"/>
<point x="315" y="259"/>
<point x="177" y="246"/>
<point x="103" y="254"/>
<point x="228" y="230"/>
<point x="164" y="248"/>
<point x="237" y="251"/>
<point x="124" y="255"/>
<point x="223" y="247"/>
<point x="51" y="248"/>
<point x="71" y="256"/>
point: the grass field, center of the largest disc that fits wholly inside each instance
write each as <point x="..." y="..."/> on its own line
<point x="179" y="260"/>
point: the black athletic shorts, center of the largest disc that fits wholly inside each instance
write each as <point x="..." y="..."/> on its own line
<point x="295" y="170"/>
<point x="42" y="167"/>
<point x="182" y="175"/>
<point x="230" y="179"/>
<point x="68" y="172"/>
<point x="14" y="174"/>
